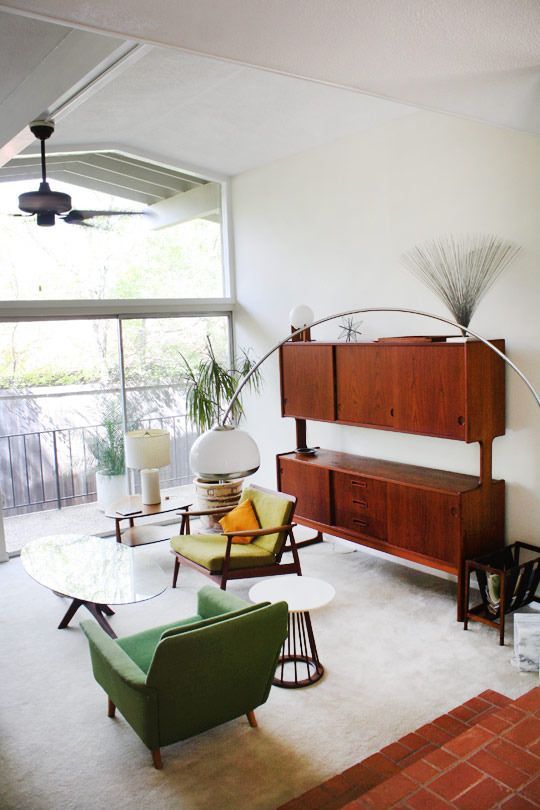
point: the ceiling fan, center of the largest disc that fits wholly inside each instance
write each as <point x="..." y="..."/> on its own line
<point x="47" y="205"/>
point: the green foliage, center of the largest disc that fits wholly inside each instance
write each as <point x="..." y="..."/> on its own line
<point x="107" y="445"/>
<point x="210" y="386"/>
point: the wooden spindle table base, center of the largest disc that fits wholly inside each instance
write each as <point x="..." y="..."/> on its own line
<point x="299" y="656"/>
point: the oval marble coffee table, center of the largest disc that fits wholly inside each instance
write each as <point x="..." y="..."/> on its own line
<point x="94" y="572"/>
<point x="302" y="595"/>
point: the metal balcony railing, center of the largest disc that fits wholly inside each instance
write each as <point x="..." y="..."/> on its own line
<point x="50" y="469"/>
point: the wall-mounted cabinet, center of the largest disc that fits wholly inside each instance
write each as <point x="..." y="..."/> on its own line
<point x="450" y="390"/>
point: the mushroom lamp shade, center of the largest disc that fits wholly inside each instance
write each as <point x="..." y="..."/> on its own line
<point x="223" y="454"/>
<point x="147" y="450"/>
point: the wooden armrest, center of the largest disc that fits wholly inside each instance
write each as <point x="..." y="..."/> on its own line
<point x="259" y="532"/>
<point x="202" y="512"/>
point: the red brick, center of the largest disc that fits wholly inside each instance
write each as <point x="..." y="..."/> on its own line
<point x="473" y="738"/>
<point x="495" y="697"/>
<point x="456" y="781"/>
<point x="380" y="765"/>
<point x="414" y="756"/>
<point x="388" y="793"/>
<point x="450" y="724"/>
<point x="420" y="772"/>
<point x="361" y="777"/>
<point x="518" y="803"/>
<point x="493" y="722"/>
<point x="483" y="796"/>
<point x="337" y="785"/>
<point x="441" y="759"/>
<point x="314" y="799"/>
<point x="463" y="713"/>
<point x="532" y="791"/>
<point x="425" y="800"/>
<point x="395" y="752"/>
<point x="535" y="749"/>
<point x="433" y="733"/>
<point x="477" y="705"/>
<point x="511" y="714"/>
<point x="525" y="733"/>
<point x="530" y="701"/>
<point x="498" y="769"/>
<point x="517" y="757"/>
<point x="413" y="741"/>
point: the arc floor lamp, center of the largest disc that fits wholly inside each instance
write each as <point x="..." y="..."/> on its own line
<point x="225" y="452"/>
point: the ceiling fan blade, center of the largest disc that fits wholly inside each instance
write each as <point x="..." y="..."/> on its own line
<point x="76" y="216"/>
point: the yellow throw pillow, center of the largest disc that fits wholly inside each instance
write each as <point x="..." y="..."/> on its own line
<point x="242" y="518"/>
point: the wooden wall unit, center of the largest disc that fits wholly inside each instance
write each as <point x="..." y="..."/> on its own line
<point x="448" y="390"/>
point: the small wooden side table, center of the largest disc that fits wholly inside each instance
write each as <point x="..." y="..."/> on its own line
<point x="132" y="508"/>
<point x="299" y="651"/>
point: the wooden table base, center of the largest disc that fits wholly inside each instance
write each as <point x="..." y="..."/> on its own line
<point x="299" y="651"/>
<point x="98" y="611"/>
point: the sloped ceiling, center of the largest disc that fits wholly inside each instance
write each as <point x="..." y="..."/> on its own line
<point x="223" y="86"/>
<point x="479" y="59"/>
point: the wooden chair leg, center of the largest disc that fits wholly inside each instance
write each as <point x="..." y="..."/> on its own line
<point x="111" y="709"/>
<point x="252" y="720"/>
<point x="176" y="570"/>
<point x="156" y="759"/>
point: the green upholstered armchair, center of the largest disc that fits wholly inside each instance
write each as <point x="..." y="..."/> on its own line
<point x="216" y="556"/>
<point x="174" y="681"/>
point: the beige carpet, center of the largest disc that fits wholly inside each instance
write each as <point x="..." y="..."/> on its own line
<point x="394" y="655"/>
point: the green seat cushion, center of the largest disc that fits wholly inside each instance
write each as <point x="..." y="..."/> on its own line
<point x="140" y="646"/>
<point x="208" y="550"/>
<point x="272" y="510"/>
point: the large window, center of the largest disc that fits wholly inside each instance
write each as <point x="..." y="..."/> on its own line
<point x="95" y="322"/>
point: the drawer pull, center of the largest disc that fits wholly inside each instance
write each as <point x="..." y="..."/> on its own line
<point x="461" y="420"/>
<point x="361" y="504"/>
<point x="363" y="523"/>
<point x="361" y="484"/>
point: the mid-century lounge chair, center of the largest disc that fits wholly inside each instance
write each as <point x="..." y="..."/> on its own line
<point x="175" y="681"/>
<point x="216" y="556"/>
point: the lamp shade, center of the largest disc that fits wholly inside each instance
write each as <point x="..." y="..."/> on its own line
<point x="146" y="449"/>
<point x="301" y="316"/>
<point x="224" y="453"/>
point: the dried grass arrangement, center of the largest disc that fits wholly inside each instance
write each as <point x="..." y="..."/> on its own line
<point x="460" y="269"/>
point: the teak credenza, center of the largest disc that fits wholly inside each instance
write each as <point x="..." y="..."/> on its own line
<point x="445" y="389"/>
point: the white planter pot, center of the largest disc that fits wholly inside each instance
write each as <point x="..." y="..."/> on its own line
<point x="110" y="488"/>
<point x="216" y="496"/>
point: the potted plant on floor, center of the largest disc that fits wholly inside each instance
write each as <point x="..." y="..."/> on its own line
<point x="107" y="447"/>
<point x="210" y="385"/>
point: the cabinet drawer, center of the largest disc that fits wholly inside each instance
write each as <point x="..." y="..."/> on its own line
<point x="359" y="504"/>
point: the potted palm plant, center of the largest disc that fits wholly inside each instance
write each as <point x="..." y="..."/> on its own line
<point x="107" y="447"/>
<point x="210" y="385"/>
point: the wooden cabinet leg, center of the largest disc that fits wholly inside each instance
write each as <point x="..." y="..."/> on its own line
<point x="111" y="709"/>
<point x="252" y="720"/>
<point x="156" y="759"/>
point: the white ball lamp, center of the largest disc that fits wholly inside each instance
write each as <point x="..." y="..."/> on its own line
<point x="301" y="317"/>
<point x="147" y="450"/>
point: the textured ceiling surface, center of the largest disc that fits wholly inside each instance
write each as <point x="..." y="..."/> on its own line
<point x="218" y="115"/>
<point x="222" y="88"/>
<point x="476" y="58"/>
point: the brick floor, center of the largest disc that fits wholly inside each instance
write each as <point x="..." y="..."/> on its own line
<point x="483" y="754"/>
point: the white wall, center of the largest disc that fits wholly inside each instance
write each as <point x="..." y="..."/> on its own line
<point x="327" y="228"/>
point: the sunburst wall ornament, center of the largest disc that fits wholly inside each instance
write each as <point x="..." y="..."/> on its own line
<point x="460" y="269"/>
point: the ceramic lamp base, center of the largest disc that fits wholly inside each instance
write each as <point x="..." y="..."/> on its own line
<point x="150" y="493"/>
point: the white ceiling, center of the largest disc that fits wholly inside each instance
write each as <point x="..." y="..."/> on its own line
<point x="479" y="59"/>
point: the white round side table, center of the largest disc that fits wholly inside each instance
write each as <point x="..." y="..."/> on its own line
<point x="299" y="650"/>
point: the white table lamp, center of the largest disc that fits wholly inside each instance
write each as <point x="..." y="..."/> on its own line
<point x="147" y="450"/>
